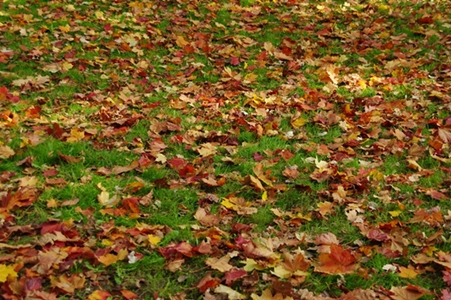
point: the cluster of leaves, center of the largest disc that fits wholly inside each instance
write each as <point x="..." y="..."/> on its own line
<point x="263" y="149"/>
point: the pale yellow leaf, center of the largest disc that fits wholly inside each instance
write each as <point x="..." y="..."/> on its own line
<point x="6" y="152"/>
<point x="231" y="293"/>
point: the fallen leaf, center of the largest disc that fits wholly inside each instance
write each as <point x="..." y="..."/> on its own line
<point x="338" y="261"/>
<point x="231" y="293"/>
<point x="407" y="272"/>
<point x="220" y="264"/>
<point x="7" y="271"/>
<point x="6" y="152"/>
<point x="99" y="295"/>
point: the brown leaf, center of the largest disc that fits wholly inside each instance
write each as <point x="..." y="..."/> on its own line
<point x="409" y="292"/>
<point x="206" y="219"/>
<point x="291" y="172"/>
<point x="68" y="284"/>
<point x="123" y="169"/>
<point x="220" y="264"/>
<point x="258" y="171"/>
<point x="6" y="152"/>
<point x="255" y="183"/>
<point x="24" y="196"/>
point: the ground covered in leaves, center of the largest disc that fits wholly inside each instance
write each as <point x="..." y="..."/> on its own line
<point x="225" y="149"/>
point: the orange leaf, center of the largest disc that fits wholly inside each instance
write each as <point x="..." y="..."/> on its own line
<point x="407" y="272"/>
<point x="99" y="295"/>
<point x="291" y="172"/>
<point x="255" y="183"/>
<point x="338" y="261"/>
<point x="129" y="295"/>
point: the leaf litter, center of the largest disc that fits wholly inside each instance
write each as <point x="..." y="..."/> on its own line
<point x="344" y="106"/>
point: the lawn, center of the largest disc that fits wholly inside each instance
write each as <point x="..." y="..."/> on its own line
<point x="285" y="149"/>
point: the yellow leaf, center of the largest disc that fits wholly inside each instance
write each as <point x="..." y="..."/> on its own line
<point x="52" y="203"/>
<point x="122" y="254"/>
<point x="65" y="28"/>
<point x="384" y="35"/>
<point x="395" y="213"/>
<point x="299" y="122"/>
<point x="377" y="175"/>
<point x="153" y="239"/>
<point x="181" y="42"/>
<point x="265" y="196"/>
<point x="362" y="84"/>
<point x="107" y="243"/>
<point x="75" y="135"/>
<point x="108" y="259"/>
<point x="281" y="272"/>
<point x="251" y="265"/>
<point x="407" y="272"/>
<point x="227" y="204"/>
<point x="99" y="15"/>
<point x="66" y="66"/>
<point x="6" y="271"/>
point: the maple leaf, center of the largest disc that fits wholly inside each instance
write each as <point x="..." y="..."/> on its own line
<point x="408" y="272"/>
<point x="129" y="295"/>
<point x="99" y="295"/>
<point x="207" y="282"/>
<point x="291" y="266"/>
<point x="291" y="172"/>
<point x="239" y="205"/>
<point x="49" y="259"/>
<point x="233" y="275"/>
<point x="447" y="277"/>
<point x="258" y="171"/>
<point x="104" y="197"/>
<point x="76" y="135"/>
<point x="325" y="208"/>
<point x="220" y="264"/>
<point x="338" y="261"/>
<point x="7" y="271"/>
<point x="445" y="134"/>
<point x="207" y="149"/>
<point x="122" y="169"/>
<point x="251" y="264"/>
<point x="68" y="284"/>
<point x="446" y="294"/>
<point x="409" y="292"/>
<point x="6" y="152"/>
<point x="255" y="183"/>
<point x="231" y="293"/>
<point x="24" y="196"/>
<point x="326" y="239"/>
<point x="206" y="219"/>
<point x="267" y="295"/>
